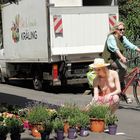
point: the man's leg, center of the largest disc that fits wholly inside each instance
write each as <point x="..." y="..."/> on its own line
<point x="124" y="96"/>
<point x="122" y="70"/>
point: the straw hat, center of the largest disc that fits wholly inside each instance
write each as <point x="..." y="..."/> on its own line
<point x="98" y="62"/>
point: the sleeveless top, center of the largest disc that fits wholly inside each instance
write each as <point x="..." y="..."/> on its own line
<point x="111" y="56"/>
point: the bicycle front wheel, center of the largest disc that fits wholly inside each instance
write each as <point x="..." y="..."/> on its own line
<point x="135" y="92"/>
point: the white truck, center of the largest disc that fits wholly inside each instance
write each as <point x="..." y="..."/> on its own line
<point x="53" y="41"/>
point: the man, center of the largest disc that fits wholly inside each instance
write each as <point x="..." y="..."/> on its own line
<point x="113" y="52"/>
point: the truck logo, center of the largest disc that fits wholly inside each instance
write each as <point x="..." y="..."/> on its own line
<point x="15" y="29"/>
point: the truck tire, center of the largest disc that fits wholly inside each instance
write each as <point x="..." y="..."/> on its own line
<point x="0" y="77"/>
<point x="37" y="83"/>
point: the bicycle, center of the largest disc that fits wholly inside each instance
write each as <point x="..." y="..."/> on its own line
<point x="132" y="78"/>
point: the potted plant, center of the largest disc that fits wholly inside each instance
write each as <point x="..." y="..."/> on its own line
<point x="40" y="118"/>
<point x="15" y="127"/>
<point x="83" y="122"/>
<point x="72" y="131"/>
<point x="111" y="122"/>
<point x="97" y="114"/>
<point x="58" y="127"/>
<point x="67" y="111"/>
<point x="47" y="129"/>
<point x="3" y="128"/>
<point x="3" y="132"/>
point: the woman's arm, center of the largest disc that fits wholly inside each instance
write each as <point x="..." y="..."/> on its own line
<point x="95" y="90"/>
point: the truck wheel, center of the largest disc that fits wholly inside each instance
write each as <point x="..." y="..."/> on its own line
<point x="37" y="84"/>
<point x="0" y="77"/>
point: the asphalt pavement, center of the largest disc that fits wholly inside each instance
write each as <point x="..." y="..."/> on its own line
<point x="128" y="114"/>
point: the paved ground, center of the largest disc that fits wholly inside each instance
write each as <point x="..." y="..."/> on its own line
<point x="128" y="115"/>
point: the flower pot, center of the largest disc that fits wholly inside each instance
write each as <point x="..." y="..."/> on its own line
<point x="72" y="133"/>
<point x="84" y="132"/>
<point x="97" y="125"/>
<point x="35" y="132"/>
<point x="3" y="137"/>
<point x="15" y="136"/>
<point x="45" y="135"/>
<point x="112" y="129"/>
<point x="66" y="127"/>
<point x="60" y="135"/>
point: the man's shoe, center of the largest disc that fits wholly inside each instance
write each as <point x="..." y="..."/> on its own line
<point x="129" y="100"/>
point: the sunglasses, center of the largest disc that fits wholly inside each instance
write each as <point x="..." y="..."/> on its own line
<point x="123" y="29"/>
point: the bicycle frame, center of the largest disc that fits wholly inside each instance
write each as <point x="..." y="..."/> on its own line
<point x="132" y="76"/>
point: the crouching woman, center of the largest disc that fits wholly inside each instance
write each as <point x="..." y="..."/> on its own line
<point x="106" y="85"/>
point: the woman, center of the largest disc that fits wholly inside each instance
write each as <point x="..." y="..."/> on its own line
<point x="106" y="85"/>
<point x="114" y="52"/>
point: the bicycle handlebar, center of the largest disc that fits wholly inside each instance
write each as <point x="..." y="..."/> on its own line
<point x="133" y="59"/>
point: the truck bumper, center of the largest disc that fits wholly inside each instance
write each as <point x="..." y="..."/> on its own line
<point x="77" y="81"/>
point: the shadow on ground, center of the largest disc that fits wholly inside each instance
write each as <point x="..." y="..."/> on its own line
<point x="13" y="99"/>
<point x="21" y="101"/>
<point x="130" y="107"/>
<point x="74" y="89"/>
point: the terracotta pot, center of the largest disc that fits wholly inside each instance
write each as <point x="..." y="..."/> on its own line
<point x="66" y="127"/>
<point x="35" y="132"/>
<point x="97" y="125"/>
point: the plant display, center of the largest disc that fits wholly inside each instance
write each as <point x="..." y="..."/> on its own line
<point x="98" y="111"/>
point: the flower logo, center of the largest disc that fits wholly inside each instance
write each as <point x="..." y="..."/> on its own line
<point x="15" y="29"/>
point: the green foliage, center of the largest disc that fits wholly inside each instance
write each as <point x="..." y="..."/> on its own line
<point x="98" y="111"/>
<point x="15" y="125"/>
<point x="111" y="119"/>
<point x="47" y="126"/>
<point x="58" y="124"/>
<point x="73" y="121"/>
<point x="37" y="113"/>
<point x="13" y="122"/>
<point x="83" y="120"/>
<point x="68" y="110"/>
<point x="129" y="11"/>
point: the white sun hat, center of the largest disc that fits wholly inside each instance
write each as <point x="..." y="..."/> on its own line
<point x="98" y="62"/>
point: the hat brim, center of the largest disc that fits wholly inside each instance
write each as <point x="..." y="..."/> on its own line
<point x="98" y="65"/>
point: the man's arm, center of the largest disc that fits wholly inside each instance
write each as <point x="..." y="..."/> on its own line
<point x="112" y="46"/>
<point x="130" y="45"/>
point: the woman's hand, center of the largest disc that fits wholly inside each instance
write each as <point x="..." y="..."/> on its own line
<point x="107" y="97"/>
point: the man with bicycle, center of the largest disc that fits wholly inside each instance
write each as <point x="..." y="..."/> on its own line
<point x="113" y="52"/>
